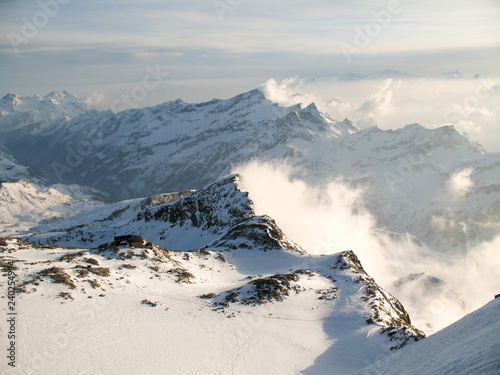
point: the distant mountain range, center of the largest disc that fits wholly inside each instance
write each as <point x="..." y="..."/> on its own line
<point x="411" y="175"/>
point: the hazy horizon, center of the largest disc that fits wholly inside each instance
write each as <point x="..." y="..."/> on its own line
<point x="222" y="46"/>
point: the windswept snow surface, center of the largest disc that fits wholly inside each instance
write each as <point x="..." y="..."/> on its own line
<point x="117" y="310"/>
<point x="469" y="346"/>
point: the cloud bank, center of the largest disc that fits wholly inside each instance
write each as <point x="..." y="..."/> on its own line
<point x="331" y="218"/>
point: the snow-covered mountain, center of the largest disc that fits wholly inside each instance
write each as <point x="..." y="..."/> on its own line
<point x="452" y="75"/>
<point x="169" y="147"/>
<point x="435" y="184"/>
<point x="53" y="105"/>
<point x="188" y="220"/>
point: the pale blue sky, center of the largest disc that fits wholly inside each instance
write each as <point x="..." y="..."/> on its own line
<point x="106" y="45"/>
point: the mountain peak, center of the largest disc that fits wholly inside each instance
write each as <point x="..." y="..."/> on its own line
<point x="453" y="75"/>
<point x="10" y="96"/>
<point x="254" y="95"/>
<point x="8" y="102"/>
<point x="60" y="96"/>
<point x="313" y="109"/>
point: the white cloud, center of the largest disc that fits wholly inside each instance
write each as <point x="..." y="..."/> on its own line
<point x="331" y="218"/>
<point x="379" y="103"/>
<point x="460" y="183"/>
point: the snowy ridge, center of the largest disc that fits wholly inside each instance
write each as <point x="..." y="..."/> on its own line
<point x="183" y="221"/>
<point x="142" y="152"/>
<point x="257" y="230"/>
<point x="56" y="104"/>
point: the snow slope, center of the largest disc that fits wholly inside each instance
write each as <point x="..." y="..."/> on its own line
<point x="25" y="204"/>
<point x="11" y="169"/>
<point x="469" y="346"/>
<point x="252" y="310"/>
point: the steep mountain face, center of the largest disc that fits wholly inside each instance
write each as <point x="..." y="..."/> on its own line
<point x="435" y="184"/>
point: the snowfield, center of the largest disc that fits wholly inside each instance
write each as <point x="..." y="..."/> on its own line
<point x="119" y="310"/>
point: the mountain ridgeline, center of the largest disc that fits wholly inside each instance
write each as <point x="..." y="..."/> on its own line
<point x="177" y="146"/>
